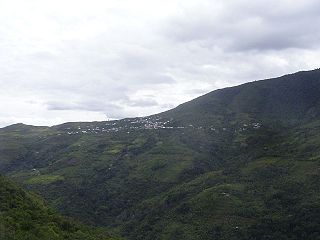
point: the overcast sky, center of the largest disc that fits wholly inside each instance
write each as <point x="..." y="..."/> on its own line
<point x="85" y="60"/>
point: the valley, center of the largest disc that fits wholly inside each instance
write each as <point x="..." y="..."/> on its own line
<point x="236" y="163"/>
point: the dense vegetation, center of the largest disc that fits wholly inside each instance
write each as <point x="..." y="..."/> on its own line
<point x="24" y="216"/>
<point x="237" y="163"/>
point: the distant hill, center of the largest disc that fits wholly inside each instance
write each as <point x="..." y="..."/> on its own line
<point x="236" y="163"/>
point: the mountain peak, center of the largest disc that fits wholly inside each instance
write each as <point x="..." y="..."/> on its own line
<point x="292" y="97"/>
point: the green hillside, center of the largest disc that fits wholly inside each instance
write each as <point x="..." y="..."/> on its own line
<point x="287" y="99"/>
<point x="24" y="216"/>
<point x="237" y="163"/>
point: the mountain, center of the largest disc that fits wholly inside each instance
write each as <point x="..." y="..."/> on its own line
<point x="25" y="216"/>
<point x="289" y="98"/>
<point x="236" y="163"/>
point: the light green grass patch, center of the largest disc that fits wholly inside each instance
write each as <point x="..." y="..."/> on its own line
<point x="44" y="179"/>
<point x="258" y="164"/>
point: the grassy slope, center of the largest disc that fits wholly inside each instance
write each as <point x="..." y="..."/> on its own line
<point x="221" y="177"/>
<point x="24" y="216"/>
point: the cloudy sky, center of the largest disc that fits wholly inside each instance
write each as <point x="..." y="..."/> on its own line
<point x="85" y="60"/>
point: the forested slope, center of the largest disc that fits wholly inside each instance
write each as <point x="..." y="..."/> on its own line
<point x="237" y="163"/>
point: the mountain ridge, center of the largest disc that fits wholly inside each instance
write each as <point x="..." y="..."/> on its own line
<point x="217" y="91"/>
<point x="237" y="163"/>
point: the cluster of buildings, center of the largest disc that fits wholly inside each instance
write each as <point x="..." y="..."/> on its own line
<point x="148" y="123"/>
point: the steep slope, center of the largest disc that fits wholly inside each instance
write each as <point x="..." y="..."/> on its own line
<point x="289" y="99"/>
<point x="237" y="163"/>
<point x="24" y="216"/>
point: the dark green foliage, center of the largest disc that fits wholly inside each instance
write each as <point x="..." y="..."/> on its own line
<point x="24" y="216"/>
<point x="237" y="163"/>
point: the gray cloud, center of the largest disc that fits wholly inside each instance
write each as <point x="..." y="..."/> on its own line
<point x="79" y="60"/>
<point x="144" y="103"/>
<point x="243" y="25"/>
<point x="95" y="106"/>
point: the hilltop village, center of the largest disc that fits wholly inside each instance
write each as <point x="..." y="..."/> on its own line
<point x="148" y="123"/>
